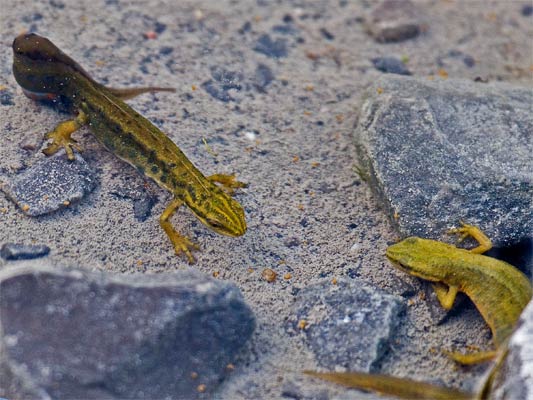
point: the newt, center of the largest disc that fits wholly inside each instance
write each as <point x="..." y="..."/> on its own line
<point x="498" y="290"/>
<point x="45" y="72"/>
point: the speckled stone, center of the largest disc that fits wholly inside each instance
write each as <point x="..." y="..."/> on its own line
<point x="69" y="333"/>
<point x="438" y="152"/>
<point x="348" y="324"/>
<point x="51" y="184"/>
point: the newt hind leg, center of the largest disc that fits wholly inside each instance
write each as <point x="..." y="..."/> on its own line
<point x="474" y="232"/>
<point x="228" y="183"/>
<point x="61" y="136"/>
<point x="182" y="244"/>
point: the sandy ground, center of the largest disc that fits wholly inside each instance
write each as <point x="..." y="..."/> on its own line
<point x="308" y="212"/>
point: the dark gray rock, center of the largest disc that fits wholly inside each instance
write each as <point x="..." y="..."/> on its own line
<point x="17" y="251"/>
<point x="438" y="152"/>
<point x="390" y="65"/>
<point x="73" y="334"/>
<point x="349" y="323"/>
<point x="394" y="21"/>
<point x="6" y="98"/>
<point x="514" y="379"/>
<point x="51" y="184"/>
<point x="271" y="48"/>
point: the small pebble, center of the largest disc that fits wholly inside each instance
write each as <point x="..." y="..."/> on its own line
<point x="263" y="77"/>
<point x="327" y="34"/>
<point x="269" y="275"/>
<point x="394" y="21"/>
<point x="390" y="65"/>
<point x="6" y="98"/>
<point x="16" y="251"/>
<point x="527" y="10"/>
<point x="150" y="35"/>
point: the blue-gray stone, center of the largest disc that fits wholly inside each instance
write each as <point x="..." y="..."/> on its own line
<point x="390" y="65"/>
<point x="438" y="152"/>
<point x="51" y="184"/>
<point x="349" y="324"/>
<point x="69" y="333"/>
<point x="16" y="251"/>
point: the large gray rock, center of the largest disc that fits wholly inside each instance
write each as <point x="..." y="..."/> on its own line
<point x="74" y="334"/>
<point x="514" y="380"/>
<point x="438" y="152"/>
<point x="348" y="324"/>
<point x="51" y="184"/>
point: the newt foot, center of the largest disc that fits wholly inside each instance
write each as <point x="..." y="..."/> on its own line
<point x="228" y="183"/>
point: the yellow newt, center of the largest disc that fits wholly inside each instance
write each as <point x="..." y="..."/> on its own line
<point x="499" y="291"/>
<point x="44" y="71"/>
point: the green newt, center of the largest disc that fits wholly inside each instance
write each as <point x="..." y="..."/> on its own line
<point x="499" y="291"/>
<point x="44" y="71"/>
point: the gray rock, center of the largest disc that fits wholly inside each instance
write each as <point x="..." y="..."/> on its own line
<point x="6" y="98"/>
<point x="51" y="184"/>
<point x="390" y="65"/>
<point x="349" y="323"/>
<point x="394" y="21"/>
<point x="514" y="379"/>
<point x="438" y="152"/>
<point x="73" y="334"/>
<point x="17" y="251"/>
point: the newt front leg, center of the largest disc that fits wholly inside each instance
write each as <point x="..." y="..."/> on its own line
<point x="182" y="244"/>
<point x="61" y="136"/>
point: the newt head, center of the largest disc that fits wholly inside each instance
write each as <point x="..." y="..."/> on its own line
<point x="40" y="68"/>
<point x="415" y="256"/>
<point x="220" y="212"/>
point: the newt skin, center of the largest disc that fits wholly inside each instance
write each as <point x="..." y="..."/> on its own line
<point x="44" y="71"/>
